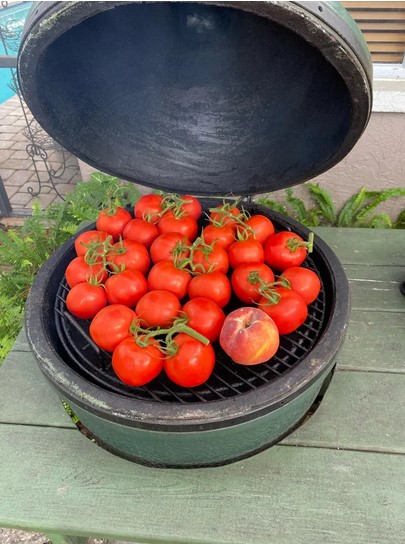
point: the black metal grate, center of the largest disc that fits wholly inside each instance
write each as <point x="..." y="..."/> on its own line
<point x="228" y="379"/>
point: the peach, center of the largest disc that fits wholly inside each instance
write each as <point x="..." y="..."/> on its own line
<point x="249" y="336"/>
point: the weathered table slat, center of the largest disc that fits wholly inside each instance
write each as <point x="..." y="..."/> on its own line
<point x="356" y="414"/>
<point x="337" y="479"/>
<point x="284" y="495"/>
<point x="366" y="246"/>
<point x="375" y="342"/>
<point x="21" y="343"/>
<point x="37" y="402"/>
<point x="376" y="288"/>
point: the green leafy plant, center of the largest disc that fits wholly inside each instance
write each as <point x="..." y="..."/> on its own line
<point x="358" y="210"/>
<point x="24" y="250"/>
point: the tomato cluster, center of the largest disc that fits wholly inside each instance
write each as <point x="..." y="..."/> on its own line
<point x="157" y="286"/>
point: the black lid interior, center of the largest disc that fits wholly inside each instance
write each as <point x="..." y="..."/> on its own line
<point x="190" y="97"/>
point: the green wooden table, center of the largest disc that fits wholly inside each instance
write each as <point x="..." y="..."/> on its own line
<point x="340" y="478"/>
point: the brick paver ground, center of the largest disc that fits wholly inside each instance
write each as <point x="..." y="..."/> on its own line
<point x="17" y="169"/>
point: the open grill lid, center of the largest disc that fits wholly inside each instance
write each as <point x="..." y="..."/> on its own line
<point x="205" y="98"/>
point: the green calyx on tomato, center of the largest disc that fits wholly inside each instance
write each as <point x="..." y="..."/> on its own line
<point x="97" y="251"/>
<point x="227" y="214"/>
<point x="268" y="290"/>
<point x="153" y="207"/>
<point x="205" y="258"/>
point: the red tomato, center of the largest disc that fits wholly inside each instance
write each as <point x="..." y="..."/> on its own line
<point x="85" y="300"/>
<point x="242" y="281"/>
<point x="185" y="225"/>
<point x="191" y="207"/>
<point x="78" y="271"/>
<point x="113" y="222"/>
<point x="149" y="207"/>
<point x="222" y="236"/>
<point x="92" y="237"/>
<point x="209" y="259"/>
<point x="136" y="365"/>
<point x="283" y="250"/>
<point x="168" y="247"/>
<point x="126" y="287"/>
<point x="204" y="316"/>
<point x="288" y="313"/>
<point x="164" y="275"/>
<point x="158" y="308"/>
<point x="111" y="326"/>
<point x="128" y="254"/>
<point x="245" y="251"/>
<point x="304" y="282"/>
<point x="140" y="231"/>
<point x="193" y="363"/>
<point x="223" y="215"/>
<point x="259" y="227"/>
<point x="214" y="286"/>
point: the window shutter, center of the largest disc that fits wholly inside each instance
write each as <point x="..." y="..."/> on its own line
<point x="383" y="26"/>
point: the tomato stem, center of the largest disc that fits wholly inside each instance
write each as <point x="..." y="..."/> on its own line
<point x="267" y="290"/>
<point x="293" y="243"/>
<point x="143" y="336"/>
<point x="206" y="249"/>
<point x="224" y="213"/>
<point x="270" y="295"/>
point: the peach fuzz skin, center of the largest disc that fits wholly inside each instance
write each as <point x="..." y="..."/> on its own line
<point x="249" y="336"/>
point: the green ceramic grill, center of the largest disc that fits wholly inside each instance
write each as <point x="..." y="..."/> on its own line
<point x="208" y="98"/>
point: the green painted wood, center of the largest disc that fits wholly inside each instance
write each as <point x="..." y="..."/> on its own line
<point x="374" y="342"/>
<point x="376" y="287"/>
<point x="26" y="396"/>
<point x="360" y="411"/>
<point x="56" y="481"/>
<point x="65" y="539"/>
<point x="21" y="343"/>
<point x="384" y="247"/>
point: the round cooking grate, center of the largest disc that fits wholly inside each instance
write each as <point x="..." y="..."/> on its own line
<point x="228" y="379"/>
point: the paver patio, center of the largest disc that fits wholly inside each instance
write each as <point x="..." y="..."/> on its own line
<point x="17" y="168"/>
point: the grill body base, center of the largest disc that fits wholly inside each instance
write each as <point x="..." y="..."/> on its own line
<point x="203" y="448"/>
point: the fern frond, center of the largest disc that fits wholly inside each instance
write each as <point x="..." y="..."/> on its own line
<point x="273" y="205"/>
<point x="324" y="203"/>
<point x="380" y="221"/>
<point x="313" y="217"/>
<point x="399" y="222"/>
<point x="348" y="213"/>
<point x="377" y="198"/>
<point x="297" y="205"/>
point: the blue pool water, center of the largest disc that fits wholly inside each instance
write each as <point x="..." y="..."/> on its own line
<point x="12" y="17"/>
